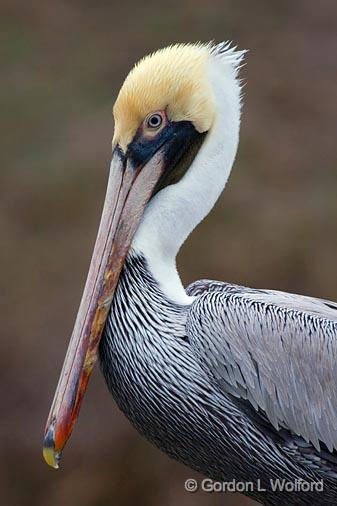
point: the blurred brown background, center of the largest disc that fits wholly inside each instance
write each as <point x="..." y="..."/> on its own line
<point x="62" y="64"/>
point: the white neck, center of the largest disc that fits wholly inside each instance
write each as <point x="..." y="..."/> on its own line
<point x="177" y="209"/>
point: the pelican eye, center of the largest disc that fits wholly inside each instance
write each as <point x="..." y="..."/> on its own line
<point x="154" y="121"/>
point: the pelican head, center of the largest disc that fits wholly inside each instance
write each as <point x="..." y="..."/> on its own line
<point x="177" y="120"/>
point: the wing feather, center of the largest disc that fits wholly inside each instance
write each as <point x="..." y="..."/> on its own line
<point x="276" y="350"/>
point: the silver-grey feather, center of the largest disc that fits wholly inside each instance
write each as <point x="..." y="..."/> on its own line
<point x="277" y="350"/>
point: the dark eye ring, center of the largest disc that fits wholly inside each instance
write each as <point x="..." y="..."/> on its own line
<point x="154" y="121"/>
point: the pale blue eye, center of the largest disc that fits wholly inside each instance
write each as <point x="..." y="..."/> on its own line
<point x="154" y="121"/>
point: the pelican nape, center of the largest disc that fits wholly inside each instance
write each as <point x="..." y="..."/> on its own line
<point x="236" y="383"/>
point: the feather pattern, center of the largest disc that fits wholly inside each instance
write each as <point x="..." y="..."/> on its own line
<point x="148" y="357"/>
<point x="277" y="350"/>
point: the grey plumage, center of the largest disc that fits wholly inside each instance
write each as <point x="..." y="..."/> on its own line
<point x="190" y="377"/>
<point x="277" y="350"/>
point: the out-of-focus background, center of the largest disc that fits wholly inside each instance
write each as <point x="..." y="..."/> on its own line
<point x="62" y="64"/>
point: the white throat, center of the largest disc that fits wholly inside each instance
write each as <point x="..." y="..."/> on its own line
<point x="177" y="209"/>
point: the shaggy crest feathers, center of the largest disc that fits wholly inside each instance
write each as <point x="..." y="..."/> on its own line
<point x="174" y="78"/>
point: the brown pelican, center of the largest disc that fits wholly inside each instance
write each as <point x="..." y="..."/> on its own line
<point x="237" y="383"/>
